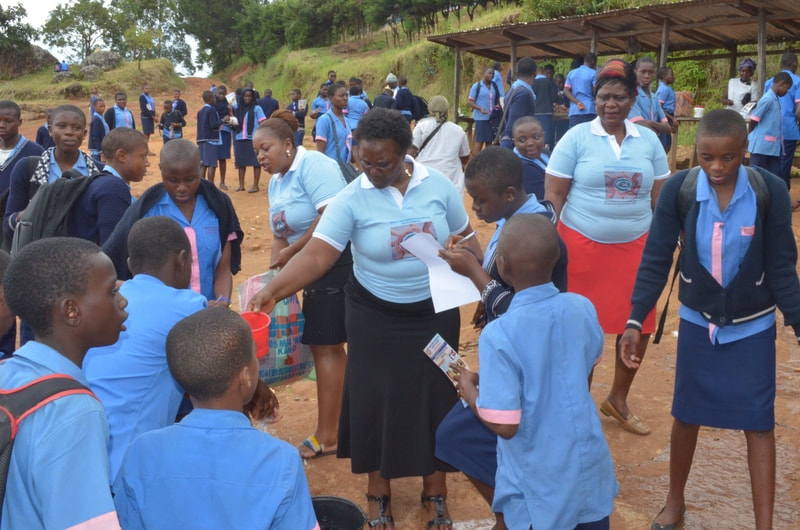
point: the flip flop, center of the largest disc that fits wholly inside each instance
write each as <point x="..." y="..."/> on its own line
<point x="223" y="187"/>
<point x="240" y="188"/>
<point x="318" y="449"/>
<point x="252" y="190"/>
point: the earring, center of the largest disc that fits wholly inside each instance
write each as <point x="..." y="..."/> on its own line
<point x="408" y="173"/>
<point x="288" y="153"/>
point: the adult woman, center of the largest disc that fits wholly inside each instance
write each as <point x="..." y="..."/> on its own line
<point x="394" y="397"/>
<point x="302" y="184"/>
<point x="248" y="115"/>
<point x="603" y="178"/>
<point x="441" y="144"/>
<point x="333" y="136"/>
<point x="742" y="90"/>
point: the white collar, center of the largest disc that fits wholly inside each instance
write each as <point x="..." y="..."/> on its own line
<point x="298" y="157"/>
<point x="630" y="128"/>
<point x="419" y="174"/>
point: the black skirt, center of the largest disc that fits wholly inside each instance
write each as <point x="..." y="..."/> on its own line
<point x="323" y="304"/>
<point x="394" y="395"/>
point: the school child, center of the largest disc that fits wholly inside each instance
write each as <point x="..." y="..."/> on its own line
<point x="213" y="469"/>
<point x="248" y="115"/>
<point x="362" y="94"/>
<point x="299" y="114"/>
<point x="484" y="98"/>
<point x="208" y="135"/>
<point x="171" y="122"/>
<point x="546" y="92"/>
<point x="404" y="99"/>
<point x="119" y="115"/>
<point x="334" y="136"/>
<point x="766" y="133"/>
<point x="321" y="103"/>
<point x="385" y="100"/>
<point x="529" y="146"/>
<point x="534" y="393"/>
<point x="13" y="145"/>
<point x="93" y="97"/>
<point x="736" y="265"/>
<point x="579" y="91"/>
<point x="65" y="289"/>
<point x="790" y="114"/>
<point x="8" y="320"/>
<point x="43" y="136"/>
<point x="98" y="129"/>
<point x="356" y="107"/>
<point x="148" y="114"/>
<point x="646" y="110"/>
<point x="202" y="210"/>
<point x="178" y="103"/>
<point x="131" y="377"/>
<point x="666" y="97"/>
<point x="224" y="110"/>
<point x="268" y="103"/>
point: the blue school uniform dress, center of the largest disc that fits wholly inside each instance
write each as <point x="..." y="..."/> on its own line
<point x="208" y="135"/>
<point x="97" y="131"/>
<point x="520" y="101"/>
<point x="486" y="98"/>
<point x="356" y="108"/>
<point x="225" y="131"/>
<point x="131" y="377"/>
<point x="44" y="138"/>
<point x="581" y="82"/>
<point x="646" y="107"/>
<point x="58" y="475"/>
<point x="325" y="128"/>
<point x="666" y="97"/>
<point x="533" y="171"/>
<point x="294" y="107"/>
<point x="213" y="470"/>
<point x="556" y="471"/>
<point x="245" y="155"/>
<point x="203" y="232"/>
<point x="766" y="139"/>
<point x="147" y="106"/>
<point x="790" y="129"/>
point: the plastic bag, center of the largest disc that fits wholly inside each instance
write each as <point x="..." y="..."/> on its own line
<point x="288" y="360"/>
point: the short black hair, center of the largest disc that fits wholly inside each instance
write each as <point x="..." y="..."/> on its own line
<point x="353" y="80"/>
<point x="167" y="102"/>
<point x="296" y="91"/>
<point x="98" y="100"/>
<point x="335" y="89"/>
<point x="590" y="58"/>
<point x="207" y="350"/>
<point x="645" y="59"/>
<point x="44" y="271"/>
<point x="68" y="108"/>
<point x="7" y="104"/>
<point x="152" y="240"/>
<point x="722" y="123"/>
<point x="118" y="94"/>
<point x="788" y="59"/>
<point x="355" y="90"/>
<point x="663" y="71"/>
<point x="522" y="120"/>
<point x="526" y="66"/>
<point x="179" y="150"/>
<point x="549" y="68"/>
<point x="331" y="72"/>
<point x="207" y="96"/>
<point x="497" y="65"/>
<point x="497" y="167"/>
<point x="121" y="138"/>
<point x="783" y="77"/>
<point x="384" y="124"/>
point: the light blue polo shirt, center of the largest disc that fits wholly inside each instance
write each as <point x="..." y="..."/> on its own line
<point x="203" y="233"/>
<point x="356" y="108"/>
<point x="788" y="103"/>
<point x="609" y="198"/>
<point x="58" y="475"/>
<point x="666" y="96"/>
<point x="646" y="107"/>
<point x="497" y="79"/>
<point x="55" y="170"/>
<point x="296" y="196"/>
<point x="376" y="221"/>
<point x="581" y="82"/>
<point x="123" y="117"/>
<point x="131" y="377"/>
<point x="723" y="239"/>
<point x="766" y="138"/>
<point x="485" y="97"/>
<point x="213" y="470"/>
<point x="344" y="134"/>
<point x="535" y="359"/>
<point x="320" y="104"/>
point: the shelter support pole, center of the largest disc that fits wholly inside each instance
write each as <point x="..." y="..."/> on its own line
<point x="734" y="66"/>
<point x="762" y="49"/>
<point x="456" y="84"/>
<point x="513" y="59"/>
<point x="664" y="43"/>
<point x="595" y="41"/>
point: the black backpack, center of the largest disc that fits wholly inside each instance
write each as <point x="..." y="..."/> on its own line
<point x="48" y="213"/>
<point x="420" y="108"/>
<point x="19" y="403"/>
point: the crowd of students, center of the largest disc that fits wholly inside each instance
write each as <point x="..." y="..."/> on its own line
<point x="137" y="349"/>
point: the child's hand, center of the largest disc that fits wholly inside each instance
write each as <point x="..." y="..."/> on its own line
<point x="627" y="348"/>
<point x="264" y="406"/>
<point x="467" y="383"/>
<point x="452" y="240"/>
<point x="479" y="318"/>
<point x="461" y="260"/>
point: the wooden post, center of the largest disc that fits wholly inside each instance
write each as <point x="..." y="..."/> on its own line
<point x="762" y="49"/>
<point x="513" y="58"/>
<point x="457" y="83"/>
<point x="664" y="43"/>
<point x="733" y="71"/>
<point x="595" y="41"/>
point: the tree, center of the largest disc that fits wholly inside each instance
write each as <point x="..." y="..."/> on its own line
<point x="82" y="25"/>
<point x="13" y="33"/>
<point x="213" y="24"/>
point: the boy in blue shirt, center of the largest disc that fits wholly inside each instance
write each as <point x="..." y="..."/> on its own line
<point x="579" y="90"/>
<point x="790" y="114"/>
<point x="214" y="466"/>
<point x="131" y="377"/>
<point x="66" y="290"/>
<point x="646" y="110"/>
<point x="766" y="132"/>
<point x="98" y="129"/>
<point x="534" y="394"/>
<point x="171" y="123"/>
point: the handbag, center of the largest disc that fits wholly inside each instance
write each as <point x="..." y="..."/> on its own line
<point x="349" y="172"/>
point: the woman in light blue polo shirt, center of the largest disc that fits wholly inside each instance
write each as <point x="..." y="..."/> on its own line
<point x="603" y="178"/>
<point x="334" y="136"/>
<point x="394" y="396"/>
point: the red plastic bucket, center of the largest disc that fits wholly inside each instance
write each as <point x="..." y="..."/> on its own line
<point x="259" y="323"/>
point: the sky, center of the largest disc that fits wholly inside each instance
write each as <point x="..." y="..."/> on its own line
<point x="37" y="14"/>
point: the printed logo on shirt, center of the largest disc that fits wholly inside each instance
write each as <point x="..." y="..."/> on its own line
<point x="280" y="224"/>
<point x="402" y="230"/>
<point x="622" y="183"/>
<point x="748" y="231"/>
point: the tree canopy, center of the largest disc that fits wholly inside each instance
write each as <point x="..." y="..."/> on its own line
<point x="13" y="32"/>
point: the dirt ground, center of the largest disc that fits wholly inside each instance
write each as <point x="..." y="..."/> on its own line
<point x="718" y="492"/>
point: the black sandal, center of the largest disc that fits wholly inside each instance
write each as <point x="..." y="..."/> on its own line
<point x="438" y="502"/>
<point x="386" y="520"/>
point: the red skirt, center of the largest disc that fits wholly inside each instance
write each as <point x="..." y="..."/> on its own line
<point x="605" y="273"/>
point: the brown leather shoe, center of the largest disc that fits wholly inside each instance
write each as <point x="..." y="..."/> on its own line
<point x="632" y="424"/>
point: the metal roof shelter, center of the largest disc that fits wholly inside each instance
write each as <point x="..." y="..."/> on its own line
<point x="695" y="25"/>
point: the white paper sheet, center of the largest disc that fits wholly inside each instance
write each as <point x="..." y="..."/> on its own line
<point x="448" y="289"/>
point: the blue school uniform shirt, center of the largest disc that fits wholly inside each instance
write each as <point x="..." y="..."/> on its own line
<point x="581" y="82"/>
<point x="485" y="98"/>
<point x="97" y="131"/>
<point x="131" y="377"/>
<point x="666" y="96"/>
<point x="723" y="239"/>
<point x="203" y="232"/>
<point x="532" y="205"/>
<point x="243" y="133"/>
<point x="790" y="129"/>
<point x="646" y="107"/>
<point x="533" y="170"/>
<point x="376" y="221"/>
<point x="556" y="471"/>
<point x="213" y="470"/>
<point x="58" y="475"/>
<point x="766" y="138"/>
<point x="344" y="134"/>
<point x="55" y="169"/>
<point x="609" y="199"/>
<point x="123" y="117"/>
<point x="498" y="80"/>
<point x="356" y="108"/>
<point x="21" y="151"/>
<point x="521" y="102"/>
<point x="296" y="196"/>
<point x="319" y="104"/>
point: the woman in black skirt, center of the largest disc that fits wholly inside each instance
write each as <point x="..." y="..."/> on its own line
<point x="394" y="396"/>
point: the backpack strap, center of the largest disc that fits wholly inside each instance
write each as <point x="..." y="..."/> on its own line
<point x="505" y="115"/>
<point x="430" y="136"/>
<point x="759" y="186"/>
<point x="336" y="138"/>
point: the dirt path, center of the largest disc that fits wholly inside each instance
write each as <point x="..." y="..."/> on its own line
<point x="718" y="493"/>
